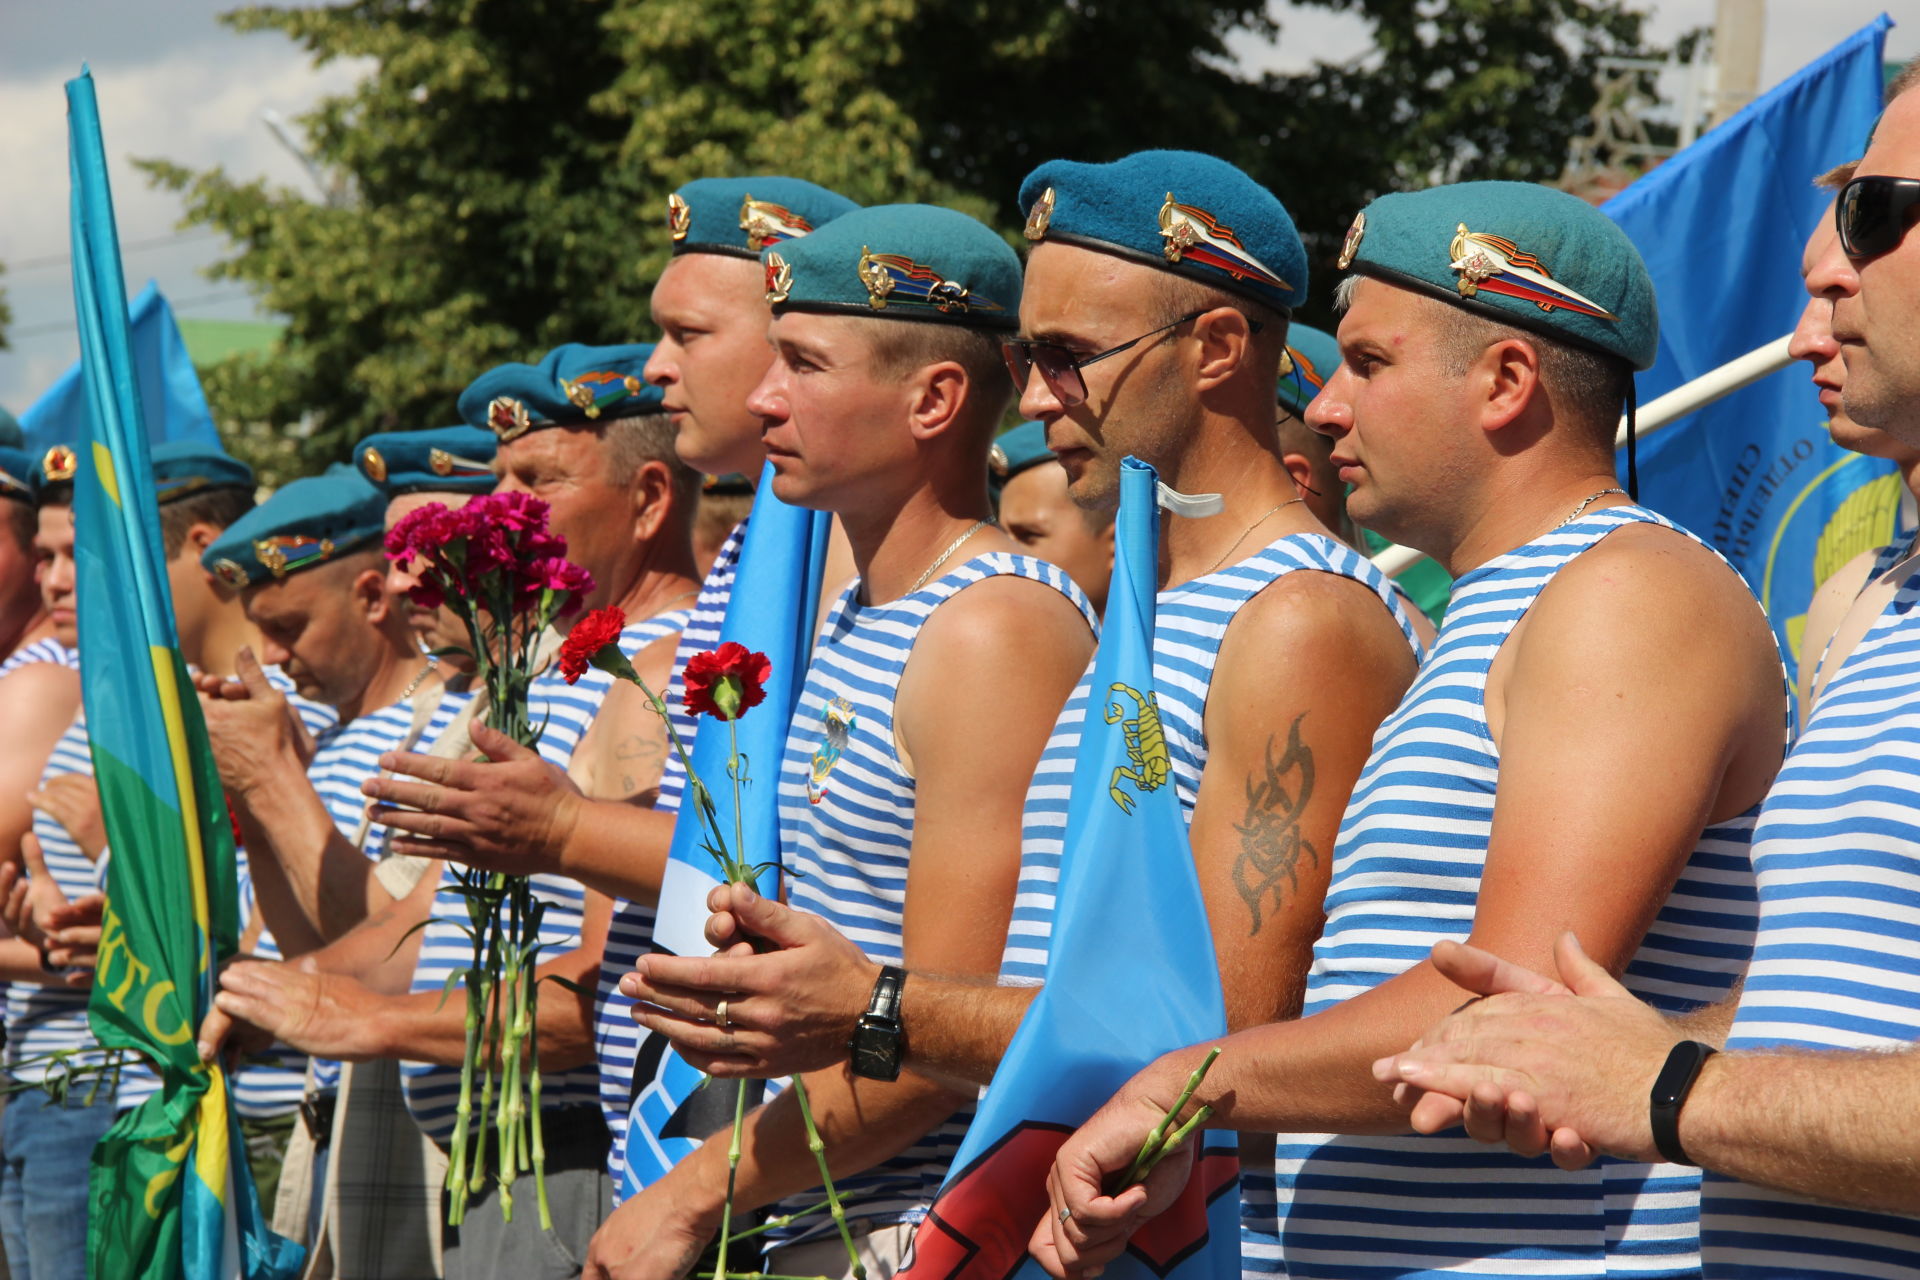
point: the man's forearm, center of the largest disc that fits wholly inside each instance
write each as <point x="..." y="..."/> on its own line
<point x="1827" y="1124"/>
<point x="431" y="1027"/>
<point x="619" y="848"/>
<point x="958" y="1029"/>
<point x="382" y="950"/>
<point x="301" y="863"/>
<point x="1710" y="1022"/>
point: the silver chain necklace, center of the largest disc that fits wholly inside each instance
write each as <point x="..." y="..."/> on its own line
<point x="946" y="555"/>
<point x="1258" y="521"/>
<point x="425" y="671"/>
<point x="1589" y="500"/>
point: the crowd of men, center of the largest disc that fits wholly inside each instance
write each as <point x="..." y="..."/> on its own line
<point x="1678" y="890"/>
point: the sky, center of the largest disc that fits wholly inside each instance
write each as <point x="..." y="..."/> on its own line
<point x="174" y="83"/>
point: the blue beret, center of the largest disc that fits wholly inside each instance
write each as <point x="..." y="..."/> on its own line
<point x="571" y="386"/>
<point x="1187" y="213"/>
<point x="182" y="468"/>
<point x="11" y="437"/>
<point x="308" y="523"/>
<point x="442" y="460"/>
<point x="1311" y="357"/>
<point x="54" y="468"/>
<point x="1516" y="253"/>
<point x="900" y="262"/>
<point x="16" y="474"/>
<point x="742" y="216"/>
<point x="1016" y="450"/>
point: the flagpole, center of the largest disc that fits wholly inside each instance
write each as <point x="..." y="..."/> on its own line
<point x="1668" y="409"/>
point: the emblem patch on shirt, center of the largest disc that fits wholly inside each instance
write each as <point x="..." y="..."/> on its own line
<point x="1193" y="234"/>
<point x="1148" y="765"/>
<point x="1498" y="265"/>
<point x="839" y="719"/>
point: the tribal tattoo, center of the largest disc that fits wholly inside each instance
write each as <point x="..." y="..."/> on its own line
<point x="1271" y="845"/>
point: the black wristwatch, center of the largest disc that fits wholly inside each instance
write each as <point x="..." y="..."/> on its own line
<point x="1670" y="1091"/>
<point x="878" y="1044"/>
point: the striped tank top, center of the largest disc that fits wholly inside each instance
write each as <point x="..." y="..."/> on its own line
<point x="1406" y="874"/>
<point x="344" y="758"/>
<point x="47" y="650"/>
<point x="847" y="806"/>
<point x="616" y="1037"/>
<point x="1836" y="964"/>
<point x="433" y="1091"/>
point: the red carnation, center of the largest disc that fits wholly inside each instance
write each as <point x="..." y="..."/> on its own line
<point x="727" y="682"/>
<point x="589" y="636"/>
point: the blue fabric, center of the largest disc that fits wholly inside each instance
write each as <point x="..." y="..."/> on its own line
<point x="311" y="522"/>
<point x="900" y="262"/>
<point x="437" y="460"/>
<point x="1088" y="1031"/>
<point x="1755" y="473"/>
<point x="171" y="401"/>
<point x="1312" y="356"/>
<point x="183" y="468"/>
<point x="742" y="216"/>
<point x="16" y="469"/>
<point x="43" y="1181"/>
<point x="772" y="610"/>
<point x="571" y="386"/>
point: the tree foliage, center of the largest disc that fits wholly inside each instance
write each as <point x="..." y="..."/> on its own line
<point x="6" y="312"/>
<point x="498" y="178"/>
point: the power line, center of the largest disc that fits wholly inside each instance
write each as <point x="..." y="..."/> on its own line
<point x="201" y="300"/>
<point x="131" y="246"/>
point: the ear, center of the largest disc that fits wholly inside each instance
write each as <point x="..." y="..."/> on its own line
<point x="651" y="495"/>
<point x="369" y="591"/>
<point x="201" y="535"/>
<point x="940" y="396"/>
<point x="1300" y="467"/>
<point x="1503" y="381"/>
<point x="1225" y="336"/>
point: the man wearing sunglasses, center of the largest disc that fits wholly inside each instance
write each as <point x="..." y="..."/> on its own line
<point x="1802" y="1120"/>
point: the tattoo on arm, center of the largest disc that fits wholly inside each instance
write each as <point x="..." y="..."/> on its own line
<point x="641" y="759"/>
<point x="1271" y="845"/>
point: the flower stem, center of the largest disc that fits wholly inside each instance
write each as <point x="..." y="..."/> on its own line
<point x="733" y="1172"/>
<point x="1156" y="1145"/>
<point x="819" y="1149"/>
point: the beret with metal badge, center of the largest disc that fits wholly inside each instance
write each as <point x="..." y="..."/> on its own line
<point x="916" y="262"/>
<point x="16" y="474"/>
<point x="1014" y="451"/>
<point x="53" y="471"/>
<point x="1518" y="254"/>
<point x="739" y="217"/>
<point x="1310" y="359"/>
<point x="185" y="468"/>
<point x="1192" y="214"/>
<point x="439" y="460"/>
<point x="573" y="385"/>
<point x="305" y="524"/>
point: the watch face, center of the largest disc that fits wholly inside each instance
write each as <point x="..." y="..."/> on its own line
<point x="876" y="1051"/>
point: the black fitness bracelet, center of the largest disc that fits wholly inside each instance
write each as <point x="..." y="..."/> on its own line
<point x="1670" y="1089"/>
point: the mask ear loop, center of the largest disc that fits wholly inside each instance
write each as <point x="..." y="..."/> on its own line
<point x="1633" y="464"/>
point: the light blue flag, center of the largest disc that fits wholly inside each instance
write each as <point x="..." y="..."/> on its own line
<point x="169" y="1192"/>
<point x="171" y="401"/>
<point x="772" y="610"/>
<point x="1125" y="857"/>
<point x="1722" y="226"/>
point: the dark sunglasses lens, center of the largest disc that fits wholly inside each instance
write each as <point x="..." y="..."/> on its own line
<point x="1873" y="214"/>
<point x="1063" y="376"/>
<point x="1019" y="364"/>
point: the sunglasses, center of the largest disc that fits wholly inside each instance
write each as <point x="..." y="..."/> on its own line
<point x="1872" y="214"/>
<point x="1060" y="368"/>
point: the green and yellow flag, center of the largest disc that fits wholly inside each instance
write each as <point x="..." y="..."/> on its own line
<point x="170" y="1194"/>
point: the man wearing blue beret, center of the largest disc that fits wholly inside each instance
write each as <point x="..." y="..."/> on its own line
<point x="710" y="304"/>
<point x="1584" y="750"/>
<point x="199" y="490"/>
<point x="904" y="804"/>
<point x="26" y="633"/>
<point x="1153" y="321"/>
<point x="1030" y="495"/>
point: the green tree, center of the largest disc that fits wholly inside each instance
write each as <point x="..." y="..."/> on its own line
<point x="6" y="312"/>
<point x="498" y="178"/>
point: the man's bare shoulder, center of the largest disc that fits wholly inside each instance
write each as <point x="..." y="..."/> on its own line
<point x="1002" y="616"/>
<point x="40" y="689"/>
<point x="1648" y="575"/>
<point x="1313" y="616"/>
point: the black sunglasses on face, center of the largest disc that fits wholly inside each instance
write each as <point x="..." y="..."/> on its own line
<point x="1060" y="368"/>
<point x="1872" y="214"/>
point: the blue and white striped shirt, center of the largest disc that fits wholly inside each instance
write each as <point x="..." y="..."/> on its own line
<point x="847" y="808"/>
<point x="446" y="947"/>
<point x="1406" y="873"/>
<point x="1836" y="964"/>
<point x="47" y="650"/>
<point x="616" y="1037"/>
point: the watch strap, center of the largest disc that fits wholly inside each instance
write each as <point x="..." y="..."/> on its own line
<point x="885" y="1000"/>
<point x="1670" y="1090"/>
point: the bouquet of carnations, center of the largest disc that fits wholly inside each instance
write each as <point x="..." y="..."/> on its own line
<point x="724" y="684"/>
<point x="496" y="566"/>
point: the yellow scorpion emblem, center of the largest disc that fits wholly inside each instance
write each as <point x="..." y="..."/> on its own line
<point x="1146" y="744"/>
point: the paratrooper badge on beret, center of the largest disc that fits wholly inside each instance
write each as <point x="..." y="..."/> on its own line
<point x="58" y="465"/>
<point x="1308" y="361"/>
<point x="309" y="522"/>
<point x="742" y="216"/>
<point x="440" y="460"/>
<point x="901" y="262"/>
<point x="1516" y="253"/>
<point x="572" y="385"/>
<point x="1181" y="211"/>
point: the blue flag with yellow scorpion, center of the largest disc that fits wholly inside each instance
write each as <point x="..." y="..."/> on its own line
<point x="1087" y="1031"/>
